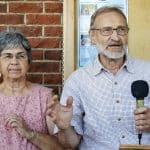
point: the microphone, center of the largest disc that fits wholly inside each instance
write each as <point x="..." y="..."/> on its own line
<point x="139" y="90"/>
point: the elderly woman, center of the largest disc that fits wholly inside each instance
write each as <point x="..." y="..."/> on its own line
<point x="23" y="120"/>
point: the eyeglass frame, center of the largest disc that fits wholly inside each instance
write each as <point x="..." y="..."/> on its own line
<point x="112" y="29"/>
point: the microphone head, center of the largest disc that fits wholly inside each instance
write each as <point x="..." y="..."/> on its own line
<point x="139" y="89"/>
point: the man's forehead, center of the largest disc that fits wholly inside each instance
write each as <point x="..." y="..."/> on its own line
<point x="108" y="18"/>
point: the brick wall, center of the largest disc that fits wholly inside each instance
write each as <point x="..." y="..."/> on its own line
<point x="41" y="22"/>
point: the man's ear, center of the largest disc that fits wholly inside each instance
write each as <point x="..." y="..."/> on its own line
<point x="92" y="37"/>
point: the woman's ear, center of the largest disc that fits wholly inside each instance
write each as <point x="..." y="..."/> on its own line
<point x="92" y="37"/>
<point x="1" y="77"/>
<point x="0" y="72"/>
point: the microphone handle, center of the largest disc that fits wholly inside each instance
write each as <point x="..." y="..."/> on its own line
<point x="139" y="103"/>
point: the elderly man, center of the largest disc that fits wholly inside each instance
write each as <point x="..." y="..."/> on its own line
<point x="104" y="111"/>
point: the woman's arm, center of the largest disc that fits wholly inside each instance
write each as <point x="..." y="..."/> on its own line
<point x="42" y="141"/>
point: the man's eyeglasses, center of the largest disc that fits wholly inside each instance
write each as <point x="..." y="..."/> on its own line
<point x="18" y="56"/>
<point x="107" y="31"/>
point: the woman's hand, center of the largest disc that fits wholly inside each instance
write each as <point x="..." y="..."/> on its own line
<point x="16" y="122"/>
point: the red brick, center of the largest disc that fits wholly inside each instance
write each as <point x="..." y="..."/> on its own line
<point x="48" y="67"/>
<point x="25" y="7"/>
<point x="3" y="8"/>
<point x="35" y="78"/>
<point x="53" y="55"/>
<point x="30" y="31"/>
<point x="45" y="42"/>
<point x="11" y="19"/>
<point x="43" y="19"/>
<point x="37" y="55"/>
<point x="53" y="79"/>
<point x="53" y="31"/>
<point x="53" y="7"/>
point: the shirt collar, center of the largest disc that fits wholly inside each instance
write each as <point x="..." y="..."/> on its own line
<point x="98" y="67"/>
<point x="129" y="64"/>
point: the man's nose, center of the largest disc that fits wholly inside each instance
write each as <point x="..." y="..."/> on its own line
<point x="115" y="36"/>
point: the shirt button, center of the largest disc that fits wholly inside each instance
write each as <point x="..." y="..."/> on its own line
<point x="117" y="101"/>
<point x="119" y="119"/>
<point x="115" y="83"/>
<point x="123" y="136"/>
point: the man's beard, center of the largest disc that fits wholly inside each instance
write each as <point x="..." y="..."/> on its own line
<point x="111" y="55"/>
